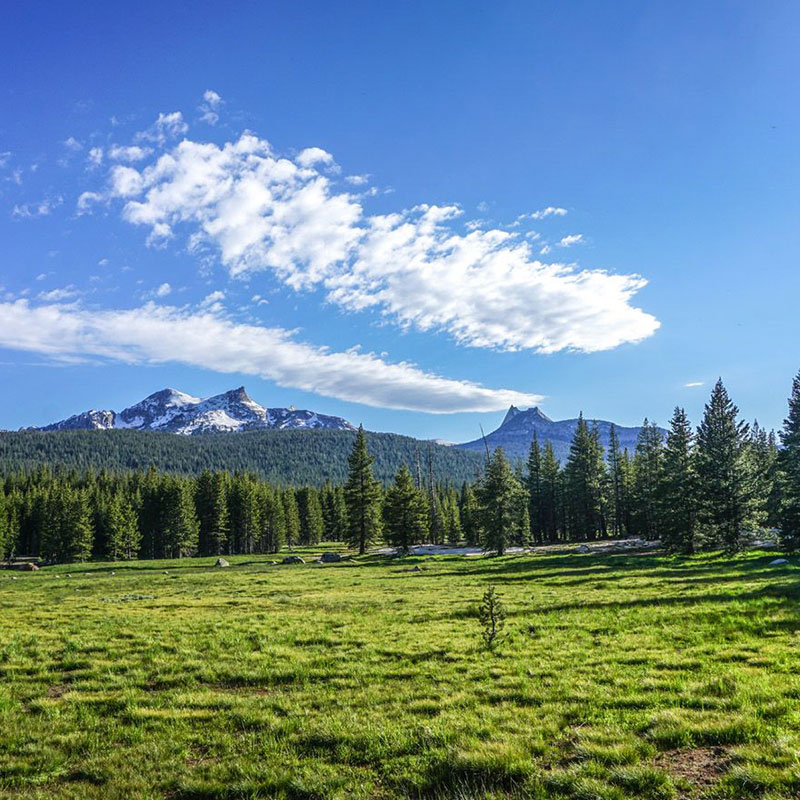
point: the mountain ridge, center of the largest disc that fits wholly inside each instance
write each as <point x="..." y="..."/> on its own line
<point x="518" y="426"/>
<point x="172" y="411"/>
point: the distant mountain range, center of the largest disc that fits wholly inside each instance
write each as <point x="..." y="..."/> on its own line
<point x="171" y="411"/>
<point x="516" y="433"/>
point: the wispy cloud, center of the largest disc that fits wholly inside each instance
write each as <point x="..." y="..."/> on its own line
<point x="166" y="126"/>
<point x="154" y="334"/>
<point x="41" y="209"/>
<point x="542" y="213"/>
<point x="129" y="153"/>
<point x="573" y="238"/>
<point x="693" y="384"/>
<point x="486" y="288"/>
<point x="210" y="106"/>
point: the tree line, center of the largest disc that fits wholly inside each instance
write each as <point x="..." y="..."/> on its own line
<point x="280" y="457"/>
<point x="691" y="489"/>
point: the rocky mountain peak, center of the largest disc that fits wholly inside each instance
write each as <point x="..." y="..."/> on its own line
<point x="172" y="411"/>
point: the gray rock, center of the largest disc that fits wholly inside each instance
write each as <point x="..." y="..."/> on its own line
<point x="293" y="560"/>
<point x="778" y="561"/>
<point x="330" y="558"/>
<point x="221" y="562"/>
<point x="583" y="548"/>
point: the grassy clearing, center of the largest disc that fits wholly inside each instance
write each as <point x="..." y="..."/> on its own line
<point x="619" y="676"/>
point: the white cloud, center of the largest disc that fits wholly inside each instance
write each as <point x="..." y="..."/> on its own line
<point x="130" y="153"/>
<point x="212" y="98"/>
<point x="485" y="288"/>
<point x="95" y="157"/>
<point x="314" y="155"/>
<point x="167" y="126"/>
<point x="210" y="107"/>
<point x="573" y="238"/>
<point x="125" y="181"/>
<point x="163" y="290"/>
<point x="87" y="200"/>
<point x="357" y="180"/>
<point x="72" y="144"/>
<point x="4" y="157"/>
<point x="156" y="334"/>
<point x="58" y="295"/>
<point x="693" y="384"/>
<point x="550" y="211"/>
<point x="41" y="209"/>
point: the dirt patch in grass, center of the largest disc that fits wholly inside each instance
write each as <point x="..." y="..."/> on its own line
<point x="57" y="690"/>
<point x="697" y="768"/>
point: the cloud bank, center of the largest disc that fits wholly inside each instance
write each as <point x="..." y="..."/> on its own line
<point x="258" y="211"/>
<point x="153" y="334"/>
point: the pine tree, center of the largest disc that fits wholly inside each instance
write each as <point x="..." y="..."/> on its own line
<point x="789" y="466"/>
<point x="534" y="486"/>
<point x="678" y="494"/>
<point x="122" y="529"/>
<point x="761" y="454"/>
<point x="310" y="510"/>
<point x="242" y="506"/>
<point x="68" y="534"/>
<point x="647" y="465"/>
<point x="617" y="485"/>
<point x="584" y="480"/>
<point x="451" y="518"/>
<point x="550" y="494"/>
<point x="362" y="496"/>
<point x="291" y="518"/>
<point x="271" y="520"/>
<point x="211" y="499"/>
<point x="724" y="480"/>
<point x="3" y="524"/>
<point x="180" y="519"/>
<point x="502" y="503"/>
<point x="405" y="516"/>
<point x="470" y="515"/>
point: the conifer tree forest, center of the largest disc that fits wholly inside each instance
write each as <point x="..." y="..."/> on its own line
<point x="695" y="488"/>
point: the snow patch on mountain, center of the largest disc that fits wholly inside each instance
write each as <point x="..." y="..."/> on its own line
<point x="172" y="411"/>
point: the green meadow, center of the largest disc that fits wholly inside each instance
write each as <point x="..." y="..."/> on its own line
<point x="618" y="676"/>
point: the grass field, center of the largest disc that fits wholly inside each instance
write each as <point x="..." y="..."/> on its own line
<point x="620" y="676"/>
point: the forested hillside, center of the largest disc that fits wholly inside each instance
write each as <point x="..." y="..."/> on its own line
<point x="283" y="457"/>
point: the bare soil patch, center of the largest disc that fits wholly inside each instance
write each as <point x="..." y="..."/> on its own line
<point x="699" y="767"/>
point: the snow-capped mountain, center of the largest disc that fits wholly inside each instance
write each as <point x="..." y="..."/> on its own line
<point x="172" y="411"/>
<point x="516" y="433"/>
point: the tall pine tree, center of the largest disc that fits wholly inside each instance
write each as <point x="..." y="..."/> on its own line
<point x="678" y="495"/>
<point x="502" y="503"/>
<point x="405" y="516"/>
<point x="789" y="465"/>
<point x="363" y="497"/>
<point x="724" y="479"/>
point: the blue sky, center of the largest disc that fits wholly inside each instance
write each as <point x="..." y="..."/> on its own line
<point x="409" y="215"/>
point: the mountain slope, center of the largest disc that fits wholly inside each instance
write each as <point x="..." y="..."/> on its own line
<point x="289" y="457"/>
<point x="171" y="411"/>
<point x="516" y="433"/>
